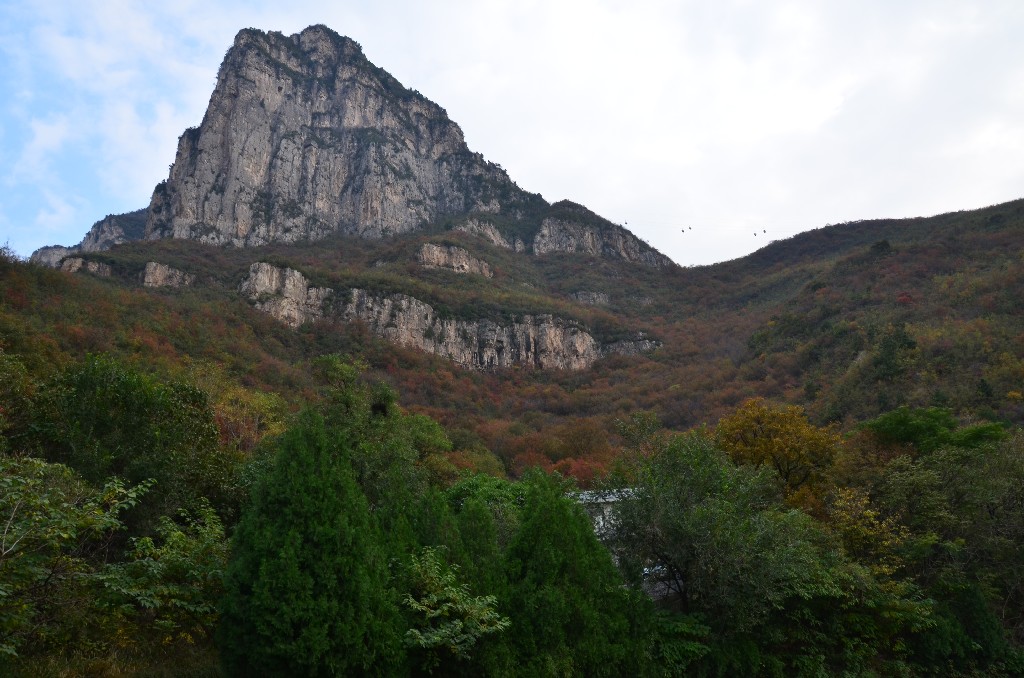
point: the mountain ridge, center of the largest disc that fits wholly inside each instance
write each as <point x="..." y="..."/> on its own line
<point x="304" y="137"/>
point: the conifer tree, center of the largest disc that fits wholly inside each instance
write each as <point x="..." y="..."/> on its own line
<point x="571" y="614"/>
<point x="306" y="588"/>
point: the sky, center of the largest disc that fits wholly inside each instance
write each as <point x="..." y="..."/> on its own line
<point x="707" y="128"/>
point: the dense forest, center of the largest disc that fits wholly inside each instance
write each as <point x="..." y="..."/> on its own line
<point x="819" y="472"/>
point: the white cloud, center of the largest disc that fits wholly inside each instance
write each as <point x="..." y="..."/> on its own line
<point x="55" y="215"/>
<point x="49" y="138"/>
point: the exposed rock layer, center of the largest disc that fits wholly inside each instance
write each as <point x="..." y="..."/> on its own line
<point x="285" y="294"/>
<point x="452" y="258"/>
<point x="541" y="341"/>
<point x="161" y="275"/>
<point x="304" y="137"/>
<point x="490" y="233"/>
<point x="591" y="298"/>
<point x="572" y="228"/>
<point x="76" y="264"/>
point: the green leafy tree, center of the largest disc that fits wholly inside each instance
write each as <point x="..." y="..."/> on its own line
<point x="167" y="591"/>
<point x="962" y="507"/>
<point x="54" y="534"/>
<point x="105" y="419"/>
<point x="714" y="536"/>
<point x="447" y="621"/>
<point x="756" y="587"/>
<point x="929" y="428"/>
<point x="306" y="588"/>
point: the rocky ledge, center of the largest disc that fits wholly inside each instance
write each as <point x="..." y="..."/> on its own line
<point x="76" y="264"/>
<point x="541" y="341"/>
<point x="161" y="275"/>
<point x="452" y="258"/>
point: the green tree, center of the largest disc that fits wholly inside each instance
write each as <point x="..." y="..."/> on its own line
<point x="105" y="419"/>
<point x="715" y="536"/>
<point x="571" y="614"/>
<point x="167" y="591"/>
<point x="757" y="588"/>
<point x="447" y="621"/>
<point x="54" y="535"/>
<point x="306" y="587"/>
<point x="927" y="429"/>
<point x="963" y="509"/>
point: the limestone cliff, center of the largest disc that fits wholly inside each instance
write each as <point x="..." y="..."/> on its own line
<point x="305" y="137"/>
<point x="573" y="228"/>
<point x="591" y="298"/>
<point x="113" y="229"/>
<point x="490" y="233"/>
<point x="162" y="275"/>
<point x="452" y="258"/>
<point x="541" y="341"/>
<point x="285" y="294"/>
<point x="76" y="264"/>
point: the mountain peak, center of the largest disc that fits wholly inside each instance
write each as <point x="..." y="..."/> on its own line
<point x="304" y="137"/>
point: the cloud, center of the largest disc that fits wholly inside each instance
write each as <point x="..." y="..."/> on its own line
<point x="48" y="138"/>
<point x="56" y="214"/>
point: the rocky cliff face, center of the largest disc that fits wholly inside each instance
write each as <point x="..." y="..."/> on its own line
<point x="285" y="294"/>
<point x="76" y="264"/>
<point x="104" y="234"/>
<point x="304" y="137"/>
<point x="591" y="298"/>
<point x="541" y="341"/>
<point x="453" y="259"/>
<point x="572" y="228"/>
<point x="162" y="275"/>
<point x="491" y="234"/>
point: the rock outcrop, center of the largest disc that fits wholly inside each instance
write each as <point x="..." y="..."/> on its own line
<point x="113" y="229"/>
<point x="76" y="264"/>
<point x="52" y="255"/>
<point x="591" y="298"/>
<point x="304" y="137"/>
<point x="490" y="232"/>
<point x="640" y="344"/>
<point x="572" y="228"/>
<point x="453" y="259"/>
<point x="541" y="341"/>
<point x="161" y="275"/>
<point x="285" y="294"/>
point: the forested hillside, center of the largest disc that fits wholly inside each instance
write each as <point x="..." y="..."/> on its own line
<point x="848" y="321"/>
<point x="841" y="411"/>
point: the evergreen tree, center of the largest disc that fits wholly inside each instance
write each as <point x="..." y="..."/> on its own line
<point x="571" y="614"/>
<point x="306" y="588"/>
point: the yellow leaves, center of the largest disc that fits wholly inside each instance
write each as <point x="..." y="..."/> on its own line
<point x="760" y="433"/>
